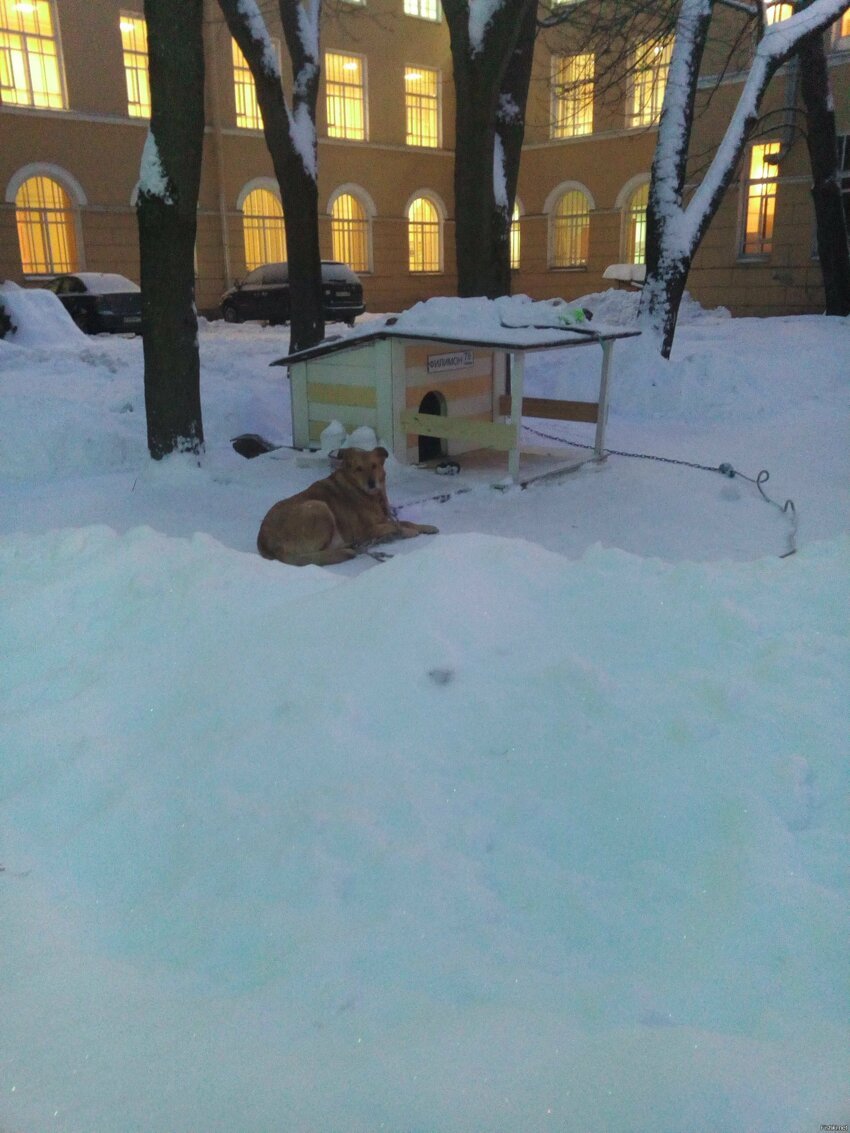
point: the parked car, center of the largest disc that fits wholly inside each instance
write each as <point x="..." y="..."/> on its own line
<point x="264" y="294"/>
<point x="100" y="301"/>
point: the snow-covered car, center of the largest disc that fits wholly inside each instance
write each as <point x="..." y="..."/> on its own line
<point x="100" y="301"/>
<point x="264" y="294"/>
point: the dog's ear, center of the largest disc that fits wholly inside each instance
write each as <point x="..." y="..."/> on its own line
<point x="382" y="453"/>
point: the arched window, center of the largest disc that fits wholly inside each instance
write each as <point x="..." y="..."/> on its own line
<point x="350" y="232"/>
<point x="636" y="225"/>
<point x="262" y="226"/>
<point x="515" y="237"/>
<point x="424" y="236"/>
<point x="47" y="232"/>
<point x="570" y="231"/>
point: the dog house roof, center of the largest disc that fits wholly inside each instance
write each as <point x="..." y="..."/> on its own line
<point x="511" y="323"/>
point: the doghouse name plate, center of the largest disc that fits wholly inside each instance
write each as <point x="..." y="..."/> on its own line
<point x="457" y="360"/>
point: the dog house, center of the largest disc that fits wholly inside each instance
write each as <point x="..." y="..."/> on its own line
<point x="429" y="394"/>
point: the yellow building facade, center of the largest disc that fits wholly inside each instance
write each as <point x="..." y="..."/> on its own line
<point x="74" y="100"/>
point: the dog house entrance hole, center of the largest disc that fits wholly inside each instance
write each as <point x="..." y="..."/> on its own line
<point x="432" y="447"/>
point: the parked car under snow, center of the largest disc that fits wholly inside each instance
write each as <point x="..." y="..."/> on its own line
<point x="264" y="294"/>
<point x="100" y="302"/>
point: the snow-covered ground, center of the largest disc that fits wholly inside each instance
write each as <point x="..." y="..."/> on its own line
<point x="541" y="824"/>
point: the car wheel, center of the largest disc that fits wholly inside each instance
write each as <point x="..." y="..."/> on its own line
<point x="231" y="315"/>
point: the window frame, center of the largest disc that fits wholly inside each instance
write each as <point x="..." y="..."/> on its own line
<point x="362" y="86"/>
<point x="571" y="108"/>
<point x="362" y="231"/>
<point x="57" y="100"/>
<point x="841" y="32"/>
<point x="132" y="69"/>
<point x="69" y="260"/>
<point x="762" y="244"/>
<point x="582" y="233"/>
<point x="776" y="12"/>
<point x="410" y="71"/>
<point x="515" y="236"/>
<point x="419" y="14"/>
<point x="243" y="81"/>
<point x="645" y="96"/>
<point x="413" y="225"/>
<point x="257" y="233"/>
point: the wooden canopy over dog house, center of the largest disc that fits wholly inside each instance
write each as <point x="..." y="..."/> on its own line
<point x="463" y="391"/>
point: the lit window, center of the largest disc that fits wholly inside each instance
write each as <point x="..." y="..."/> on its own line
<point x="636" y="225"/>
<point x="650" y="64"/>
<point x="842" y="32"/>
<point x="422" y="106"/>
<point x="572" y="95"/>
<point x="761" y="201"/>
<point x="775" y="12"/>
<point x="424" y="9"/>
<point x="30" y="74"/>
<point x="262" y="227"/>
<point x="46" y="227"/>
<point x="515" y="238"/>
<point x="245" y="92"/>
<point x="350" y="232"/>
<point x="346" y="96"/>
<point x="423" y="236"/>
<point x="134" y="41"/>
<point x="570" y="230"/>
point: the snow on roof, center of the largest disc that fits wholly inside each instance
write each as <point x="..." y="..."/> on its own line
<point x="512" y="321"/>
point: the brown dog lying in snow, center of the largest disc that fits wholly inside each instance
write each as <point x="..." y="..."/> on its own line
<point x="338" y="517"/>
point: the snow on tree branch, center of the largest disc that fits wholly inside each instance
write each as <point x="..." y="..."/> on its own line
<point x="153" y="180"/>
<point x="256" y="24"/>
<point x="500" y="181"/>
<point x="481" y="12"/>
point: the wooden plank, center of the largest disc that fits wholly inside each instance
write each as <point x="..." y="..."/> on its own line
<point x="552" y="409"/>
<point x="488" y="434"/>
<point x="339" y="394"/>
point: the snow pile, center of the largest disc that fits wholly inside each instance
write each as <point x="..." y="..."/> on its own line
<point x="618" y="307"/>
<point x="418" y="874"/>
<point x="512" y="319"/>
<point x="39" y="317"/>
<point x="516" y="830"/>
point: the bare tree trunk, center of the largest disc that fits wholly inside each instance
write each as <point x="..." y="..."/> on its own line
<point x="167" y="219"/>
<point x="482" y="75"/>
<point x="510" y="130"/>
<point x="291" y="140"/>
<point x="822" y="143"/>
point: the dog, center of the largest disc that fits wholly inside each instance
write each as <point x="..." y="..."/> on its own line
<point x="337" y="518"/>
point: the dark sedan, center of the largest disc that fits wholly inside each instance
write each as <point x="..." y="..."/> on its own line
<point x="100" y="301"/>
<point x="264" y="294"/>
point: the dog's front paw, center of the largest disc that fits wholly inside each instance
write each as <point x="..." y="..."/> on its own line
<point x="428" y="529"/>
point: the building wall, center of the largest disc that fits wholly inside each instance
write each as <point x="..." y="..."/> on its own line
<point x="99" y="147"/>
